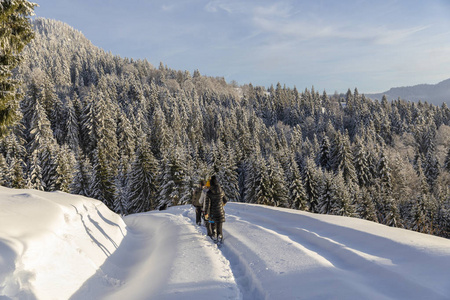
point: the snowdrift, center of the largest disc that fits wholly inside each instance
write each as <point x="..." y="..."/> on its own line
<point x="51" y="243"/>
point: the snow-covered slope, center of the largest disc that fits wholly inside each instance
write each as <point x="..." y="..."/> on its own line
<point x="60" y="246"/>
<point x="51" y="243"/>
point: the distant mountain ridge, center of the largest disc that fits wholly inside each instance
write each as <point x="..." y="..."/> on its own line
<point x="432" y="93"/>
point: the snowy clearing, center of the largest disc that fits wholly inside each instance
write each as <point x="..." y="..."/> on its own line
<point x="61" y="246"/>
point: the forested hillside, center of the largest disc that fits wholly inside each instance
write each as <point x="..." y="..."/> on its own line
<point x="138" y="138"/>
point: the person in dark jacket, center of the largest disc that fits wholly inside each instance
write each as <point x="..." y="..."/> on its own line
<point x="209" y="229"/>
<point x="215" y="200"/>
<point x="196" y="195"/>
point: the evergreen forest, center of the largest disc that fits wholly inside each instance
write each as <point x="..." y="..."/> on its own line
<point x="139" y="138"/>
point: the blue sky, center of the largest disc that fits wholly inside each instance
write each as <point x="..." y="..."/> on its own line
<point x="328" y="44"/>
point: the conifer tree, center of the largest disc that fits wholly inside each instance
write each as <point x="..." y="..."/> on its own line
<point x="57" y="118"/>
<point x="326" y="203"/>
<point x="102" y="184"/>
<point x="72" y="137"/>
<point x="121" y="199"/>
<point x="274" y="190"/>
<point x="47" y="160"/>
<point x="82" y="182"/>
<point x="4" y="174"/>
<point x="65" y="169"/>
<point x="297" y="195"/>
<point x="17" y="175"/>
<point x="447" y="161"/>
<point x="15" y="34"/>
<point x="431" y="168"/>
<point x="324" y="154"/>
<point x="361" y="163"/>
<point x="127" y="141"/>
<point x="40" y="132"/>
<point x="344" y="203"/>
<point x="313" y="182"/>
<point x="391" y="213"/>
<point x="421" y="220"/>
<point x="34" y="174"/>
<point x="142" y="184"/>
<point x="173" y="178"/>
<point x="228" y="175"/>
<point x="160" y="136"/>
<point x="384" y="174"/>
<point x="254" y="169"/>
<point x="365" y="207"/>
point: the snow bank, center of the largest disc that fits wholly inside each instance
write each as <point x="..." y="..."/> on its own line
<point x="51" y="243"/>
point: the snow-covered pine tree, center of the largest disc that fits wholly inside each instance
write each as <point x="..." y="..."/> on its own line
<point x="82" y="182"/>
<point x="121" y="196"/>
<point x="276" y="188"/>
<point x="47" y="160"/>
<point x="72" y="138"/>
<point x="326" y="204"/>
<point x="228" y="175"/>
<point x="324" y="160"/>
<point x="360" y="161"/>
<point x="254" y="169"/>
<point x="102" y="184"/>
<point x="4" y="174"/>
<point x="447" y="161"/>
<point x="431" y="168"/>
<point x="384" y="174"/>
<point x="127" y="140"/>
<point x="313" y="182"/>
<point x="58" y="119"/>
<point x="344" y="202"/>
<point x="142" y="183"/>
<point x="160" y="137"/>
<point x="65" y="169"/>
<point x="391" y="213"/>
<point x="365" y="206"/>
<point x="421" y="214"/>
<point x="297" y="193"/>
<point x="87" y="133"/>
<point x="34" y="173"/>
<point x="174" y="190"/>
<point x="40" y="132"/>
<point x="17" y="174"/>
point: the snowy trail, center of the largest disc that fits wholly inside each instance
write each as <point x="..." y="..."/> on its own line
<point x="269" y="253"/>
<point x="167" y="257"/>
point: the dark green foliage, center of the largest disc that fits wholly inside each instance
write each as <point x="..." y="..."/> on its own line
<point x="15" y="33"/>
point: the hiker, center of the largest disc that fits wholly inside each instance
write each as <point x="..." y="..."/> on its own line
<point x="215" y="200"/>
<point x="208" y="226"/>
<point x="196" y="195"/>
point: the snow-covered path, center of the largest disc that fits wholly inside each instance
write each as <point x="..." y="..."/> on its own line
<point x="272" y="253"/>
<point x="61" y="246"/>
<point x="167" y="257"/>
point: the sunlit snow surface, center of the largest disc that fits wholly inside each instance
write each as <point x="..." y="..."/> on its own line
<point x="61" y="246"/>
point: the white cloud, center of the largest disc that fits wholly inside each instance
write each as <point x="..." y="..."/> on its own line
<point x="278" y="21"/>
<point x="217" y="5"/>
<point x="168" y="7"/>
